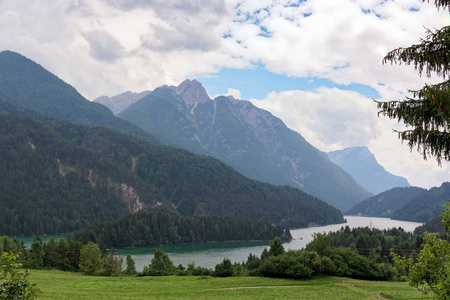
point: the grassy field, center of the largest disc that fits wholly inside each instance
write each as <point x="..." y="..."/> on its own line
<point x="62" y="285"/>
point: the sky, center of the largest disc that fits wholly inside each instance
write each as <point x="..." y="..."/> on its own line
<point x="316" y="64"/>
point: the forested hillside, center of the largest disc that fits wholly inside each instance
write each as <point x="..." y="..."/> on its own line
<point x="424" y="206"/>
<point x="58" y="176"/>
<point x="434" y="225"/>
<point x="384" y="204"/>
<point x="50" y="185"/>
<point x="28" y="85"/>
<point x="155" y="229"/>
<point x="249" y="139"/>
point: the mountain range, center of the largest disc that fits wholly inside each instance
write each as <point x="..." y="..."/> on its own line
<point x="251" y="140"/>
<point x="28" y="85"/>
<point x="359" y="162"/>
<point x="120" y="102"/>
<point x="63" y="169"/>
<point x="362" y="165"/>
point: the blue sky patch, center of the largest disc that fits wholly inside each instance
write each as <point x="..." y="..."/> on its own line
<point x="258" y="83"/>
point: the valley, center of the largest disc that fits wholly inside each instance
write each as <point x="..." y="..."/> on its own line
<point x="231" y="149"/>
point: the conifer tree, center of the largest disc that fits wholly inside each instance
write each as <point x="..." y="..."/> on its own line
<point x="276" y="247"/>
<point x="131" y="265"/>
<point x="427" y="113"/>
<point x="428" y="116"/>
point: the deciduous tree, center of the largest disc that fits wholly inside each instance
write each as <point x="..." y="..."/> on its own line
<point x="431" y="272"/>
<point x="161" y="264"/>
<point x="90" y="258"/>
<point x="13" y="280"/>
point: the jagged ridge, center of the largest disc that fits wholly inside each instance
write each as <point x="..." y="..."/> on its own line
<point x="249" y="139"/>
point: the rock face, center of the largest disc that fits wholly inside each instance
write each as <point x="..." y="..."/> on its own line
<point x="362" y="165"/>
<point x="120" y="102"/>
<point x="251" y="140"/>
<point x="192" y="92"/>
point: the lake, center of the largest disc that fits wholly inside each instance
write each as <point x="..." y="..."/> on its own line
<point x="209" y="254"/>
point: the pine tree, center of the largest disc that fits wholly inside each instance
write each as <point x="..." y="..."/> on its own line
<point x="131" y="265"/>
<point x="427" y="113"/>
<point x="276" y="247"/>
<point x="37" y="253"/>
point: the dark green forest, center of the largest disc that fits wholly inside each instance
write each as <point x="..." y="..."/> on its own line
<point x="377" y="244"/>
<point x="425" y="206"/>
<point x="361" y="253"/>
<point x="385" y="203"/>
<point x="434" y="225"/>
<point x="407" y="204"/>
<point x="44" y="182"/>
<point x="159" y="229"/>
<point x="58" y="177"/>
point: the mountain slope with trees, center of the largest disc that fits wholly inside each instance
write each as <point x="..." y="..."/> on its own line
<point x="407" y="204"/>
<point x="145" y="229"/>
<point x="30" y="86"/>
<point x="384" y="204"/>
<point x="45" y="185"/>
<point x="58" y="176"/>
<point x="247" y="138"/>
<point x="424" y="206"/>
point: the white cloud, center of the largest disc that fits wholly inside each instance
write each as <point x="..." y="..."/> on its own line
<point x="330" y="119"/>
<point x="338" y="40"/>
<point x="333" y="119"/>
<point x="233" y="92"/>
<point x="398" y="159"/>
<point x="107" y="47"/>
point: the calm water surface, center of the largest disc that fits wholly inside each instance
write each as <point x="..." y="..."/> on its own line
<point x="209" y="254"/>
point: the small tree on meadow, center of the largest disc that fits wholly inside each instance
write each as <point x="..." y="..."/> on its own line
<point x="131" y="265"/>
<point x="161" y="264"/>
<point x="90" y="258"/>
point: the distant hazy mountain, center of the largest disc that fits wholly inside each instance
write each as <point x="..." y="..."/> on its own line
<point x="384" y="204"/>
<point x="362" y="165"/>
<point x="249" y="139"/>
<point x="120" y="102"/>
<point x="28" y="85"/>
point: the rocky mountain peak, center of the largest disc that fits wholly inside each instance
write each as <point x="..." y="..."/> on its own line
<point x="192" y="91"/>
<point x="358" y="153"/>
<point x="120" y="102"/>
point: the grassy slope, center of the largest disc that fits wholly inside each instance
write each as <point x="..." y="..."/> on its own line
<point x="62" y="285"/>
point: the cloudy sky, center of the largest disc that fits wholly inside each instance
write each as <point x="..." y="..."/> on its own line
<point x="315" y="64"/>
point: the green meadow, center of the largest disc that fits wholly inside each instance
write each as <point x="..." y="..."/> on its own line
<point x="65" y="285"/>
